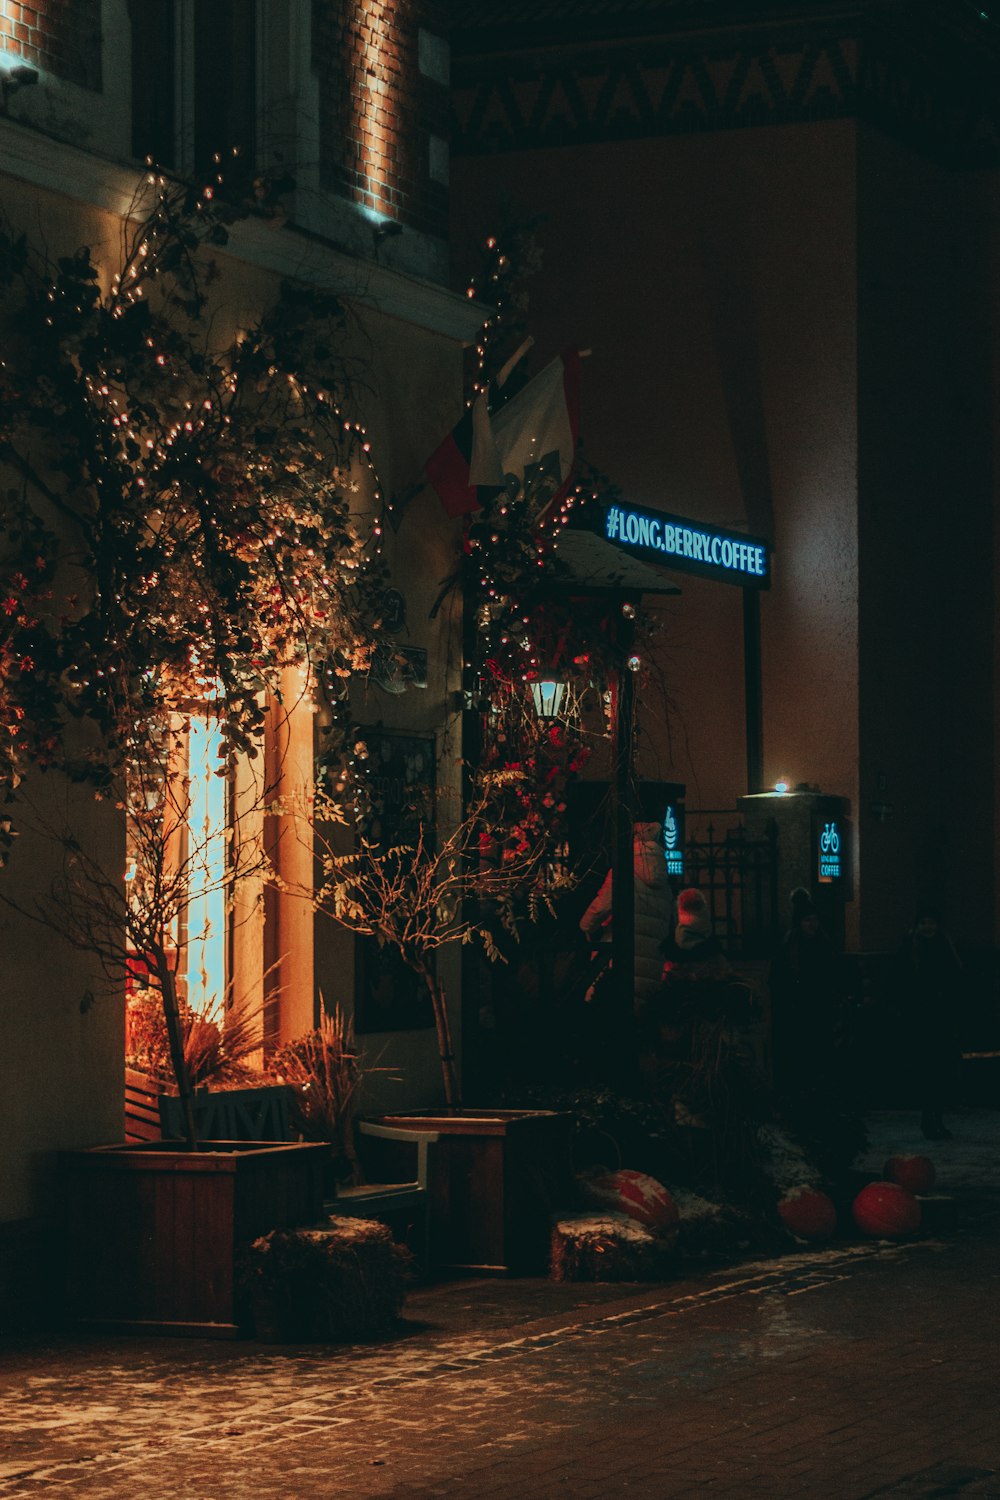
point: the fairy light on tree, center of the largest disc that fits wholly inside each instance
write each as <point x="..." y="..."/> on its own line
<point x="184" y="517"/>
<point x="529" y="625"/>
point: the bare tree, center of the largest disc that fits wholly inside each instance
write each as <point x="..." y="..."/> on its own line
<point x="425" y="895"/>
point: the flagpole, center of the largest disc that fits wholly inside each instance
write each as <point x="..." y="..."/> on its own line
<point x="622" y="864"/>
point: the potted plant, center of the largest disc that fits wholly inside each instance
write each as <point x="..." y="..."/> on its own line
<point x="323" y="1072"/>
<point x="495" y="1174"/>
<point x="221" y="1047"/>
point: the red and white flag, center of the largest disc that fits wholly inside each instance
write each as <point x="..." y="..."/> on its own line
<point x="535" y="431"/>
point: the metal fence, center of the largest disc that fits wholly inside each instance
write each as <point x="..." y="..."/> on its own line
<point x="738" y="876"/>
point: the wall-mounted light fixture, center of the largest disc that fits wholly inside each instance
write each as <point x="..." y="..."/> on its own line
<point x="548" y="695"/>
<point x="387" y="230"/>
<point x="12" y="79"/>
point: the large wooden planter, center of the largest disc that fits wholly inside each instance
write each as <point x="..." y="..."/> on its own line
<point x="495" y="1178"/>
<point x="152" y="1231"/>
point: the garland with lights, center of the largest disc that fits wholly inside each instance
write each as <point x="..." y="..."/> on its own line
<point x="528" y="624"/>
<point x="179" y="526"/>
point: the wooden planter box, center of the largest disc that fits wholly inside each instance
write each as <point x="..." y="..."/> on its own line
<point x="495" y="1178"/>
<point x="152" y="1231"/>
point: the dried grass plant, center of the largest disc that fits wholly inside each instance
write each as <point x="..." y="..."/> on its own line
<point x="325" y="1072"/>
<point x="221" y="1046"/>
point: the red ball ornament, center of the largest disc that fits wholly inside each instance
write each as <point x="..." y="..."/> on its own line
<point x="915" y="1173"/>
<point x="886" y="1211"/>
<point x="636" y="1194"/>
<point x="808" y="1213"/>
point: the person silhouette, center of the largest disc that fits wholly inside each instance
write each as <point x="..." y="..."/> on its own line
<point x="929" y="975"/>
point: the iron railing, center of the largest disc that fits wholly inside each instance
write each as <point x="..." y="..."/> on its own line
<point x="738" y="876"/>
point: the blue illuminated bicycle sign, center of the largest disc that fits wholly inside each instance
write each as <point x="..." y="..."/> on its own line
<point x="830" y="865"/>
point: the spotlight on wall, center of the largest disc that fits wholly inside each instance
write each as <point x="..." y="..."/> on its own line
<point x="387" y="230"/>
<point x="12" y="79"/>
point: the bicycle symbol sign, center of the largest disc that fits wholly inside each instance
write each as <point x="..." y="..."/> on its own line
<point x="829" y="839"/>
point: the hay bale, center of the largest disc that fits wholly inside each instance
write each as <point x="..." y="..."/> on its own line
<point x="606" y="1247"/>
<point x="340" y="1281"/>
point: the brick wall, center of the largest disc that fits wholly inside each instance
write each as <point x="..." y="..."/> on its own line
<point x="383" y="121"/>
<point x="62" y="37"/>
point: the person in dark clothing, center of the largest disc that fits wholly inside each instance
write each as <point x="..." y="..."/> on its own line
<point x="808" y="994"/>
<point x="697" y="1056"/>
<point x="693" y="951"/>
<point x="928" y="982"/>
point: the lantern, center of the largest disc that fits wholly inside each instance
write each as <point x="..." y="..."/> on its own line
<point x="548" y="695"/>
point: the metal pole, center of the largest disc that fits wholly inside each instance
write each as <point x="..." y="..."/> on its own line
<point x="753" y="697"/>
<point x="622" y="872"/>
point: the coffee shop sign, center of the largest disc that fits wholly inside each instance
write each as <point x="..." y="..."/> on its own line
<point x="691" y="545"/>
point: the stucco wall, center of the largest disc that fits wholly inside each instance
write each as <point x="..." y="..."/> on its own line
<point x="62" y="1059"/>
<point x="926" y="500"/>
<point x="61" y="1067"/>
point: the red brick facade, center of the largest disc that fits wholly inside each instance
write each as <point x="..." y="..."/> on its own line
<point x="62" y="37"/>
<point x="378" y="112"/>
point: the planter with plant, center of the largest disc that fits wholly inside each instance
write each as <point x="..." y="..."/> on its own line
<point x="324" y="1072"/>
<point x="495" y="1174"/>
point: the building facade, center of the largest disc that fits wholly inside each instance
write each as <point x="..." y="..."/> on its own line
<point x="345" y="107"/>
<point x="775" y="227"/>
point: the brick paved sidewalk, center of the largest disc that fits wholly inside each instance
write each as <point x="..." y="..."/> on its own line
<point x="855" y="1371"/>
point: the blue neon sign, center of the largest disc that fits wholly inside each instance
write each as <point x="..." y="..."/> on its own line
<point x="831" y="846"/>
<point x="676" y="542"/>
<point x="673" y="842"/>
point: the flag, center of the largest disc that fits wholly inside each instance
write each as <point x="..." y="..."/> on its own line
<point x="448" y="468"/>
<point x="536" y="429"/>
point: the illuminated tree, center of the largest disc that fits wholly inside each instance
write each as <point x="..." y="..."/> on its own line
<point x="178" y="522"/>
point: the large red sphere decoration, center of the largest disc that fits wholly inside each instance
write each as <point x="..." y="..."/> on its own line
<point x="886" y="1211"/>
<point x="636" y="1194"/>
<point x="916" y="1173"/>
<point x="808" y="1213"/>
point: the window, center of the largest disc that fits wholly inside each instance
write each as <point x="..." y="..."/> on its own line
<point x="195" y="84"/>
<point x="225" y="85"/>
<point x="154" y="124"/>
<point x="178" y="850"/>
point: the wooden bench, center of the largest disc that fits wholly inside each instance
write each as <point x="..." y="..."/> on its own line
<point x="142" y="1114"/>
<point x="262" y="1114"/>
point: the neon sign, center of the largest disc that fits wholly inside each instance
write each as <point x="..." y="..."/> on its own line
<point x="673" y="842"/>
<point x="831" y="842"/>
<point x="728" y="556"/>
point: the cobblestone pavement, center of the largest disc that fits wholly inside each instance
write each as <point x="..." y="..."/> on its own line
<point x="858" y="1370"/>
